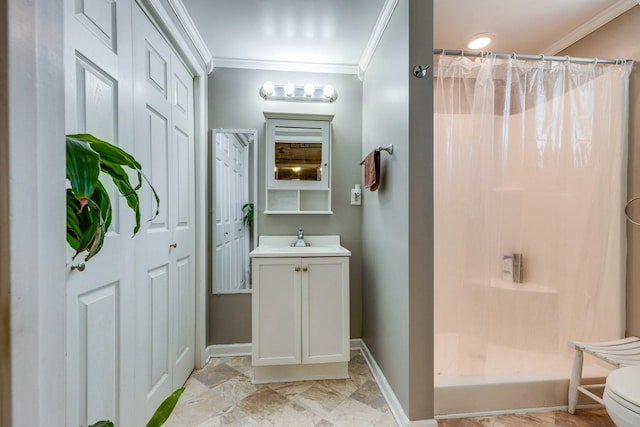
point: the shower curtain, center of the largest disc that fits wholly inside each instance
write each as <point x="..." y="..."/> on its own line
<point x="530" y="158"/>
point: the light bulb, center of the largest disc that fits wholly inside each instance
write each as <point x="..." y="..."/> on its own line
<point x="289" y="88"/>
<point x="309" y="89"/>
<point x="268" y="87"/>
<point x="328" y="91"/>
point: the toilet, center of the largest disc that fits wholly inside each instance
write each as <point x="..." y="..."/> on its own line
<point x="622" y="396"/>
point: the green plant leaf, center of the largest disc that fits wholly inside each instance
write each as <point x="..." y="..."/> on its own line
<point x="102" y="424"/>
<point x="83" y="168"/>
<point x="86" y="228"/>
<point x="109" y="152"/>
<point x="102" y="204"/>
<point x="121" y="181"/>
<point x="247" y="214"/>
<point x="113" y="157"/>
<point x="164" y="410"/>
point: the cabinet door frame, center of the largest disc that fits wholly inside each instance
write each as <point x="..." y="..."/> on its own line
<point x="269" y="313"/>
<point x="325" y="314"/>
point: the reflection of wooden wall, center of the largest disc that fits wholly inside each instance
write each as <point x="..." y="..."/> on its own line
<point x="295" y="152"/>
<point x="304" y="173"/>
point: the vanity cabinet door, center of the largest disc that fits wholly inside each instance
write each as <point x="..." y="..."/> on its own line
<point x="325" y="310"/>
<point x="276" y="317"/>
<point x="300" y="310"/>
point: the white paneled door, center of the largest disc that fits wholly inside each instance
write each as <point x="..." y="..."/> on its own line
<point x="131" y="312"/>
<point x="231" y="259"/>
<point x="100" y="298"/>
<point x="165" y="285"/>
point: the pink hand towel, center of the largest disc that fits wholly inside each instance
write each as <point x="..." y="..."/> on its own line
<point x="372" y="170"/>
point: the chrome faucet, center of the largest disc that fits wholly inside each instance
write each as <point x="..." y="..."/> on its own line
<point x="300" y="241"/>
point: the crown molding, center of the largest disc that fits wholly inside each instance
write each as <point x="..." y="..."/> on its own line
<point x="309" y="67"/>
<point x="591" y="25"/>
<point x="192" y="32"/>
<point x="378" y="30"/>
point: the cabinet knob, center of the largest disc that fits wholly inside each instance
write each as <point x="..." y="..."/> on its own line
<point x="304" y="269"/>
<point x="173" y="245"/>
<point x="297" y="268"/>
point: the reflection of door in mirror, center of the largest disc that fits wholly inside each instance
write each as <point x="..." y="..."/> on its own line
<point x="232" y="241"/>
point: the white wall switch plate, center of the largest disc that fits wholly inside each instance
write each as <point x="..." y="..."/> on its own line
<point x="356" y="199"/>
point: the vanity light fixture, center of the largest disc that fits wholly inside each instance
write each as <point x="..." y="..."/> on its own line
<point x="309" y="89"/>
<point x="289" y="89"/>
<point x="290" y="92"/>
<point x="268" y="87"/>
<point x="480" y="40"/>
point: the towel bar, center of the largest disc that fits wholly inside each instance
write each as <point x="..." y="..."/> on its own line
<point x="388" y="149"/>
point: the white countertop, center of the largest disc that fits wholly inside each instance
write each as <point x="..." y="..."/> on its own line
<point x="280" y="246"/>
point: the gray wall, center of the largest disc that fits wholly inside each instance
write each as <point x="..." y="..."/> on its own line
<point x="398" y="218"/>
<point x="234" y="103"/>
<point x="619" y="39"/>
<point x="5" y="279"/>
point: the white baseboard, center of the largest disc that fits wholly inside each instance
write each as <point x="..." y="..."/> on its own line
<point x="228" y="350"/>
<point x="387" y="392"/>
<point x="244" y="349"/>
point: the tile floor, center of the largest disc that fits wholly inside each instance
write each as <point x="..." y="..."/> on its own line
<point x="221" y="394"/>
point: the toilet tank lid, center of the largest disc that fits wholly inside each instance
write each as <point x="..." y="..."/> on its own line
<point x="625" y="382"/>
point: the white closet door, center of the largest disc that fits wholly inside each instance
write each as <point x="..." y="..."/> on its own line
<point x="165" y="283"/>
<point x="99" y="299"/>
<point x="183" y="222"/>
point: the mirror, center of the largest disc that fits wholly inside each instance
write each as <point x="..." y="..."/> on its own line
<point x="298" y="161"/>
<point x="298" y="164"/>
<point x="234" y="197"/>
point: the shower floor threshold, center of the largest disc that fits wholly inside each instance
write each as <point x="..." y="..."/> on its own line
<point x="480" y="394"/>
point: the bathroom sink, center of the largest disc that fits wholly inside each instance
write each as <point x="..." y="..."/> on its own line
<point x="280" y="246"/>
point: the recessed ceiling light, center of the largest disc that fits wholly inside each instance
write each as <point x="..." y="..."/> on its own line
<point x="480" y="40"/>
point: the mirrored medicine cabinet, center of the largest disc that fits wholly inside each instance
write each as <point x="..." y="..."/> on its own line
<point x="298" y="164"/>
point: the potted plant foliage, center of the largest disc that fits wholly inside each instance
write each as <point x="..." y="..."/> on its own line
<point x="89" y="209"/>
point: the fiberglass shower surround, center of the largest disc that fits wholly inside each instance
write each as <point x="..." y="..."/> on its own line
<point x="530" y="158"/>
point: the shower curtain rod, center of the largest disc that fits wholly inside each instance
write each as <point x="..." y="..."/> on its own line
<point x="529" y="57"/>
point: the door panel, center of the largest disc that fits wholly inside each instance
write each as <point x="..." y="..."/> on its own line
<point x="276" y="315"/>
<point x="183" y="222"/>
<point x="325" y="313"/>
<point x="99" y="17"/>
<point x="166" y="319"/>
<point x="98" y="336"/>
<point x="158" y="323"/>
<point x="99" y="298"/>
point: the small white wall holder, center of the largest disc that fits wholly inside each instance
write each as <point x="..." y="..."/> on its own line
<point x="356" y="195"/>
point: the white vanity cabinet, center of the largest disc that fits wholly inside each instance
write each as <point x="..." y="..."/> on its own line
<point x="300" y="317"/>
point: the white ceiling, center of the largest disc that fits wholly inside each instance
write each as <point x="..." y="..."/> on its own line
<point x="333" y="32"/>
<point x="333" y="35"/>
<point x="522" y="26"/>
